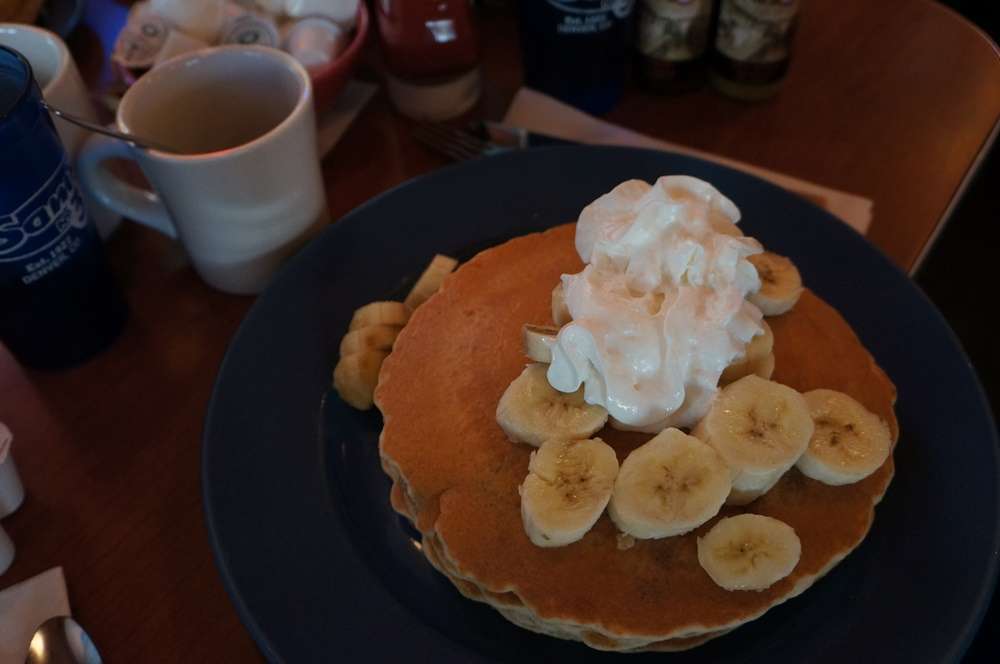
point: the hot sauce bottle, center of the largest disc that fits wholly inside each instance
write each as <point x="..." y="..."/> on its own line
<point x="431" y="51"/>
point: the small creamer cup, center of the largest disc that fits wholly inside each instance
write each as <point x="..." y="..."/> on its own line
<point x="11" y="489"/>
<point x="246" y="190"/>
<point x="6" y="550"/>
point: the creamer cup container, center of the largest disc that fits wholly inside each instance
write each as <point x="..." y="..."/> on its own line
<point x="342" y="12"/>
<point x="141" y="40"/>
<point x="201" y="19"/>
<point x="178" y="43"/>
<point x="6" y="551"/>
<point x="11" y="489"/>
<point x="315" y="41"/>
<point x="248" y="28"/>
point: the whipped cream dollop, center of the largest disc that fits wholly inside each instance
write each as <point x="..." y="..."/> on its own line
<point x="660" y="309"/>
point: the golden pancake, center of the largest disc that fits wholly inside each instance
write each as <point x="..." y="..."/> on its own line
<point x="457" y="475"/>
<point x="510" y="607"/>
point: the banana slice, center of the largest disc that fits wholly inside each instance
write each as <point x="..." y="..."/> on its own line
<point x="560" y="312"/>
<point x="538" y="341"/>
<point x="749" y="552"/>
<point x="781" y="284"/>
<point x="669" y="486"/>
<point x="850" y="442"/>
<point x="532" y="411"/>
<point x="764" y="367"/>
<point x="380" y="313"/>
<point x="754" y="357"/>
<point x="760" y="428"/>
<point x="567" y="488"/>
<point x="430" y="281"/>
<point x="373" y="337"/>
<point x="356" y="376"/>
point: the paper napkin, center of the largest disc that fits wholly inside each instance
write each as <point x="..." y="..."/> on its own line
<point x="25" y="606"/>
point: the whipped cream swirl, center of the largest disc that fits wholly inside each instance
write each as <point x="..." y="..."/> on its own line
<point x="660" y="310"/>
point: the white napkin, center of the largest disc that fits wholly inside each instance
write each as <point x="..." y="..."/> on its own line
<point x="25" y="606"/>
<point x="542" y="114"/>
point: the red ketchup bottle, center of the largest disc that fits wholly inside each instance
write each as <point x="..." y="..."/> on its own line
<point x="431" y="50"/>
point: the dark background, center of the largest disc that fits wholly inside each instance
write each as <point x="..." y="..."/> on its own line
<point x="960" y="277"/>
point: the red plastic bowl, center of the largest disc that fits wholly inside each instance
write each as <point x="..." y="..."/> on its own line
<point x="330" y="80"/>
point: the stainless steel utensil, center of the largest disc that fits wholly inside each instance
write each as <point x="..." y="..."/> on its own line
<point x="61" y="640"/>
<point x="143" y="143"/>
<point x="480" y="139"/>
<point x="458" y="144"/>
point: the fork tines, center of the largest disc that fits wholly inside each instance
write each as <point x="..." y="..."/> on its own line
<point x="455" y="143"/>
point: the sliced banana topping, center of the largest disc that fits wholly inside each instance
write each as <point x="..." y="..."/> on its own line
<point x="760" y="428"/>
<point x="568" y="485"/>
<point x="373" y="337"/>
<point x="781" y="283"/>
<point x="669" y="486"/>
<point x="538" y="342"/>
<point x="356" y="376"/>
<point x="430" y="281"/>
<point x="749" y="552"/>
<point x="532" y="411"/>
<point x="754" y="359"/>
<point x="380" y="313"/>
<point x="849" y="443"/>
<point x="560" y="312"/>
<point x="764" y="367"/>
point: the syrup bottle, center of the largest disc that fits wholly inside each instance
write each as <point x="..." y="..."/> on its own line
<point x="671" y="42"/>
<point x="752" y="47"/>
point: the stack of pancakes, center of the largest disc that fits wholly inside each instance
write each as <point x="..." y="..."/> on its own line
<point x="456" y="475"/>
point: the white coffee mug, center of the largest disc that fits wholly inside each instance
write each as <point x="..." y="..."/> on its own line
<point x="61" y="84"/>
<point x="244" y="189"/>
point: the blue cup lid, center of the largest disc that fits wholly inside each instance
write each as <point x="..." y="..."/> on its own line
<point x="20" y="99"/>
<point x="15" y="74"/>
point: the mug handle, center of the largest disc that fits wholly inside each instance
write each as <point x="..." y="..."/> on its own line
<point x="142" y="205"/>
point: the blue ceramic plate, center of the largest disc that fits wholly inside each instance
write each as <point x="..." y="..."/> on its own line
<point x="321" y="569"/>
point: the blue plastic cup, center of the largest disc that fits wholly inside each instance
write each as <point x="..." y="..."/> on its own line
<point x="577" y="50"/>
<point x="59" y="304"/>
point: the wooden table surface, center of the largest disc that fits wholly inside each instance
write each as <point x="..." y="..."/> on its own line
<point x="892" y="99"/>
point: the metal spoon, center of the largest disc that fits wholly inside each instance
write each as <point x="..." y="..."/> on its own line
<point x="143" y="143"/>
<point x="61" y="640"/>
